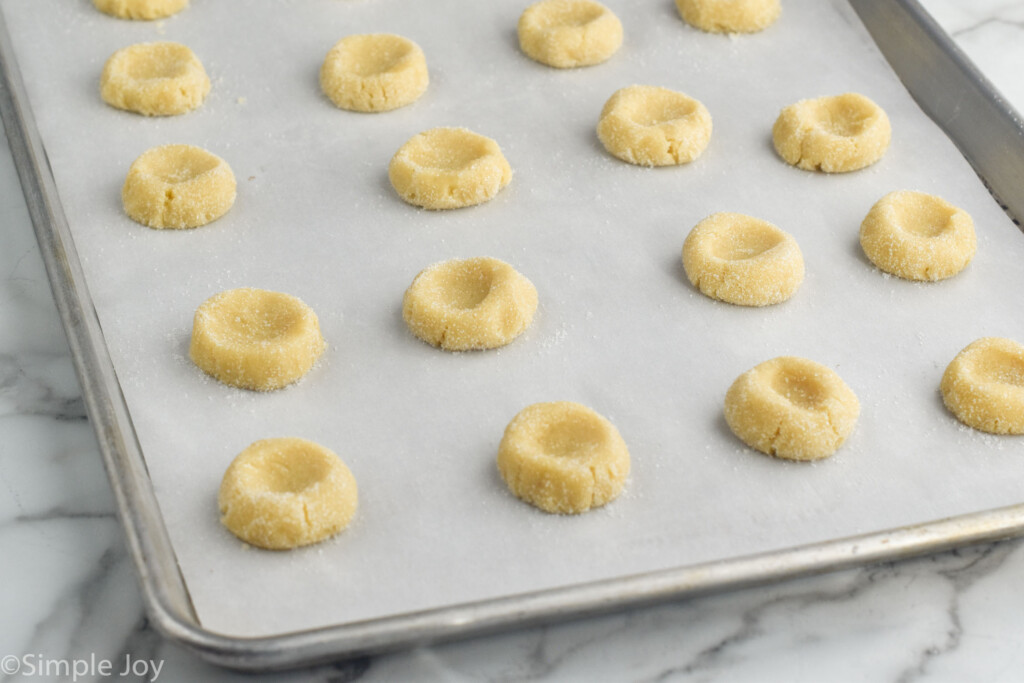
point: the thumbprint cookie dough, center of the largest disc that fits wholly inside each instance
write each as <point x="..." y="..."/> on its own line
<point x="178" y="186"/>
<point x="374" y="72"/>
<point x="918" y="236"/>
<point x="984" y="386"/>
<point x="729" y="16"/>
<point x="832" y="134"/>
<point x="792" y="408"/>
<point x="569" y="33"/>
<point x="563" y="458"/>
<point x="476" y="303"/>
<point x="255" y="339"/>
<point x="140" y="9"/>
<point x="742" y="260"/>
<point x="651" y="126"/>
<point x="280" y="494"/>
<point x="154" y="79"/>
<point x="448" y="168"/>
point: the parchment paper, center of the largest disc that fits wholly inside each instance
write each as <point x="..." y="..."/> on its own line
<point x="619" y="328"/>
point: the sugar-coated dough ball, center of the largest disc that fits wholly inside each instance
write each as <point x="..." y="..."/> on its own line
<point x="652" y="126"/>
<point x="984" y="386"/>
<point x="464" y="304"/>
<point x="255" y="339"/>
<point x="155" y="79"/>
<point x="742" y="260"/>
<point x="569" y="33"/>
<point x="374" y="72"/>
<point x="791" y="408"/>
<point x="285" y="493"/>
<point x="729" y="16"/>
<point x="140" y="9"/>
<point x="563" y="457"/>
<point x="448" y="168"/>
<point x="918" y="236"/>
<point x="832" y="134"/>
<point x="178" y="186"/>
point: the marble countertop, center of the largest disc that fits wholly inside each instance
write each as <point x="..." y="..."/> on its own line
<point x="69" y="592"/>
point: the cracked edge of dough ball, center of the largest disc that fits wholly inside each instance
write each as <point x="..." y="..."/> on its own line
<point x="918" y="236"/>
<point x="157" y="95"/>
<point x="403" y="82"/>
<point x="590" y="37"/>
<point x="832" y="134"/>
<point x="983" y="386"/>
<point x="140" y="9"/>
<point x="729" y="16"/>
<point x="791" y="408"/>
<point x="677" y="132"/>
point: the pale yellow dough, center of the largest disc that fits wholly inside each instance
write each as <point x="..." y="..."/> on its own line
<point x="742" y="260"/>
<point x="918" y="236"/>
<point x="729" y="16"/>
<point x="569" y="33"/>
<point x="255" y="339"/>
<point x="154" y="79"/>
<point x="285" y="493"/>
<point x="374" y="72"/>
<point x="448" y="168"/>
<point x="651" y="126"/>
<point x="178" y="186"/>
<point x="984" y="386"/>
<point x="563" y="458"/>
<point x="476" y="303"/>
<point x="791" y="408"/>
<point x="140" y="9"/>
<point x="832" y="134"/>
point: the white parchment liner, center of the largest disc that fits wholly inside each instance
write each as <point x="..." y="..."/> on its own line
<point x="618" y="328"/>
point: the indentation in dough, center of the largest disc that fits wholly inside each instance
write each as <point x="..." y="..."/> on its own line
<point x="742" y="260"/>
<point x="476" y="303"/>
<point x="563" y="458"/>
<point x="154" y="79"/>
<point x="178" y="186"/>
<point x="832" y="134"/>
<point x="448" y="168"/>
<point x="140" y="9"/>
<point x="918" y="236"/>
<point x="255" y="339"/>
<point x="374" y="72"/>
<point x="729" y="16"/>
<point x="652" y="126"/>
<point x="284" y="493"/>
<point x="791" y="408"/>
<point x="569" y="33"/>
<point x="984" y="386"/>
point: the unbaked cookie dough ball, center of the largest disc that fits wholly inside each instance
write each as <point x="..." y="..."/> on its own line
<point x="140" y="9"/>
<point x="729" y="16"/>
<point x="569" y="33"/>
<point x="448" y="168"/>
<point x="255" y="339"/>
<point x="464" y="304"/>
<point x="563" y="458"/>
<point x="178" y="186"/>
<point x="918" y="236"/>
<point x="285" y="493"/>
<point x="791" y="408"/>
<point x="154" y="79"/>
<point x="742" y="260"/>
<point x="832" y="134"/>
<point x="651" y="126"/>
<point x="984" y="386"/>
<point x="374" y="72"/>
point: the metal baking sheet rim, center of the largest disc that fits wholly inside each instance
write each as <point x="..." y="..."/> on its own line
<point x="988" y="131"/>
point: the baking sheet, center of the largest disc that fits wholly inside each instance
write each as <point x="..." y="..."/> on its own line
<point x="618" y="326"/>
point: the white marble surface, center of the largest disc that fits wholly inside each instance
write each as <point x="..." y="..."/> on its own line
<point x="68" y="592"/>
